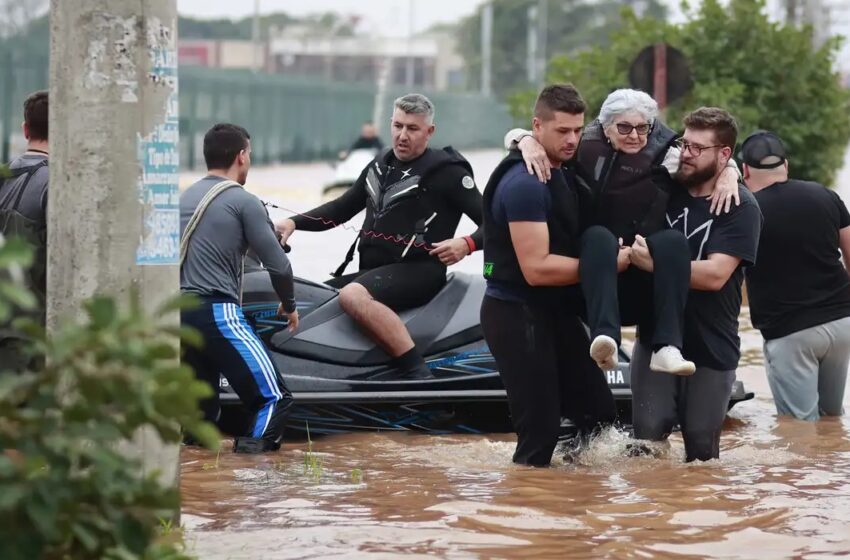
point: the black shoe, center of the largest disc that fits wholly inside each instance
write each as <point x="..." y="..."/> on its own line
<point x="254" y="445"/>
<point x="640" y="450"/>
<point x="419" y="372"/>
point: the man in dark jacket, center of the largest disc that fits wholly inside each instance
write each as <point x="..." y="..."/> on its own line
<point x="23" y="213"/>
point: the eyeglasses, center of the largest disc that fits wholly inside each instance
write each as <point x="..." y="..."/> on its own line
<point x="693" y="149"/>
<point x="625" y="128"/>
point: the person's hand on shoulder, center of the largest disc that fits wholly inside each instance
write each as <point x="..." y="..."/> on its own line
<point x="535" y="158"/>
<point x="725" y="191"/>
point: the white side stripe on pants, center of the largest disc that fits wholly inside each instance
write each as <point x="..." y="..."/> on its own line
<point x="259" y="354"/>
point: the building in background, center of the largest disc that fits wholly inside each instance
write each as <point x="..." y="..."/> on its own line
<point x="428" y="61"/>
<point x="229" y="54"/>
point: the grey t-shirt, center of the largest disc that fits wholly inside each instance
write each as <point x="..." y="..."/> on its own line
<point x="234" y="221"/>
<point x="33" y="204"/>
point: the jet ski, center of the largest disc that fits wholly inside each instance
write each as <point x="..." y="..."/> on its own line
<point x="341" y="380"/>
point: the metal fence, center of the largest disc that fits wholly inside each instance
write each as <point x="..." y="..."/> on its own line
<point x="289" y="119"/>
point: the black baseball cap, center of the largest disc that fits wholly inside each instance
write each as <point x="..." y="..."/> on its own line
<point x="763" y="150"/>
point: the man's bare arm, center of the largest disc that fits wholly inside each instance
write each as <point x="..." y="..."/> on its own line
<point x="539" y="267"/>
<point x="711" y="274"/>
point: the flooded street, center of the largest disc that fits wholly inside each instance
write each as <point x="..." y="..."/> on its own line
<point x="780" y="490"/>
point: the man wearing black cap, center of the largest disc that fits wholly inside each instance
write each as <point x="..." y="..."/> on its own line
<point x="799" y="291"/>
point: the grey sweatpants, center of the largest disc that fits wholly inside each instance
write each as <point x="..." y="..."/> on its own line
<point x="698" y="403"/>
<point x="807" y="370"/>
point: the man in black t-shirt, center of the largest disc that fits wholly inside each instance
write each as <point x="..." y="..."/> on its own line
<point x="720" y="247"/>
<point x="530" y="310"/>
<point x="799" y="291"/>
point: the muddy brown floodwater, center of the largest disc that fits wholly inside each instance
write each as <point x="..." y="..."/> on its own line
<point x="781" y="489"/>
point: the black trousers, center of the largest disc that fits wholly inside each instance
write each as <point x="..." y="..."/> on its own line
<point x="542" y="353"/>
<point x="698" y="403"/>
<point x="653" y="301"/>
<point x="233" y="349"/>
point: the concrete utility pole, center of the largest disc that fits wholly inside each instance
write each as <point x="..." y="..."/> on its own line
<point x="113" y="222"/>
<point x="487" y="49"/>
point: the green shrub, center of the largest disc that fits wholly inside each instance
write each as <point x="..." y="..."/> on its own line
<point x="766" y="74"/>
<point x="66" y="489"/>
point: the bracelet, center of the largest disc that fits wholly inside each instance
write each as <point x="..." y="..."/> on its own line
<point x="470" y="243"/>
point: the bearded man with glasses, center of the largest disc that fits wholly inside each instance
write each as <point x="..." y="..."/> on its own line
<point x="720" y="247"/>
<point x="615" y="160"/>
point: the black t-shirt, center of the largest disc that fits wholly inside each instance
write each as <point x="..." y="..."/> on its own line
<point x="799" y="281"/>
<point x="519" y="197"/>
<point x="711" y="318"/>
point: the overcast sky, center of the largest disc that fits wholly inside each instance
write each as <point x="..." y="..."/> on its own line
<point x="386" y="17"/>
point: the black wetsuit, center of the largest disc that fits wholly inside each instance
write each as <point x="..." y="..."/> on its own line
<point x="399" y="198"/>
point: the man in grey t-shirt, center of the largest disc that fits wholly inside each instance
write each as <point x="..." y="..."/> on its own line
<point x="216" y="238"/>
<point x="23" y="213"/>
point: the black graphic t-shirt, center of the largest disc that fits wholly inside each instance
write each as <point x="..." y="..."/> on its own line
<point x="711" y="318"/>
<point x="799" y="281"/>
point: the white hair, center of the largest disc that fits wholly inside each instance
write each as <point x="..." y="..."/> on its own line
<point x="417" y="104"/>
<point x="622" y="101"/>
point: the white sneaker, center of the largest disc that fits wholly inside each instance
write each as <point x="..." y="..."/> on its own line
<point x="603" y="350"/>
<point x="669" y="360"/>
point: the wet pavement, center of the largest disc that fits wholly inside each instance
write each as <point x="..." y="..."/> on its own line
<point x="780" y="489"/>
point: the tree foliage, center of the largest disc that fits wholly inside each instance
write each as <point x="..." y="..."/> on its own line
<point x="66" y="489"/>
<point x="766" y="74"/>
<point x="570" y="25"/>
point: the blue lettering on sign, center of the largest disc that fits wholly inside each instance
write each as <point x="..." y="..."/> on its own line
<point x="159" y="159"/>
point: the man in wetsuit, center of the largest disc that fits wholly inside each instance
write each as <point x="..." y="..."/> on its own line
<point x="530" y="313"/>
<point x="23" y="213"/>
<point x="220" y="221"/>
<point x="414" y="197"/>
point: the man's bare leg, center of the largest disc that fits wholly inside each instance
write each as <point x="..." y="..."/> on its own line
<point x="382" y="323"/>
<point x="384" y="326"/>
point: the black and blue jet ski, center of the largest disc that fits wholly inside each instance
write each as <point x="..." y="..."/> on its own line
<point x="341" y="380"/>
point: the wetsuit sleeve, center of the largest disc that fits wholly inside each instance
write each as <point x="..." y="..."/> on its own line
<point x="463" y="194"/>
<point x="337" y="211"/>
<point x="259" y="232"/>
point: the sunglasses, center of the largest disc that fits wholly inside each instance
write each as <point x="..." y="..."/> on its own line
<point x="626" y="128"/>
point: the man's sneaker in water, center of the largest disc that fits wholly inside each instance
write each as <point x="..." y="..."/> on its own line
<point x="669" y="360"/>
<point x="603" y="350"/>
<point x="254" y="445"/>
